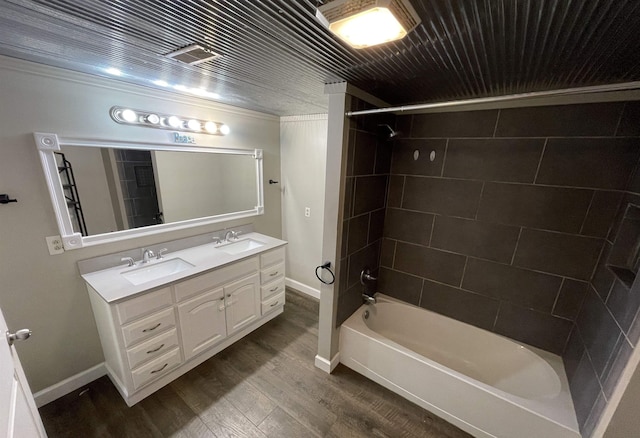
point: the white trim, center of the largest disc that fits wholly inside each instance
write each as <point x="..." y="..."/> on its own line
<point x="302" y="288"/>
<point x="68" y="385"/>
<point x="325" y="365"/>
<point x="304" y="118"/>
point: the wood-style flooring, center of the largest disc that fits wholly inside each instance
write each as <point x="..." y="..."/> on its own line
<point x="265" y="385"/>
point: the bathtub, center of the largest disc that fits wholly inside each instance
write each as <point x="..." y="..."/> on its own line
<point x="487" y="385"/>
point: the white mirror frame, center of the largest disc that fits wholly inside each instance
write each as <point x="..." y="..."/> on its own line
<point x="48" y="143"/>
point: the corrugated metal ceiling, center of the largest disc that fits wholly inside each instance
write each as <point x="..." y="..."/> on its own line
<point x="277" y="57"/>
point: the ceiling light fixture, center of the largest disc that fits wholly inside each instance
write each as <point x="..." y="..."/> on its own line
<point x="366" y="23"/>
<point x="128" y="116"/>
<point x="113" y="71"/>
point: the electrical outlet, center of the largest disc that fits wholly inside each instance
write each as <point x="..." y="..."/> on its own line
<point x="307" y="212"/>
<point x="54" y="244"/>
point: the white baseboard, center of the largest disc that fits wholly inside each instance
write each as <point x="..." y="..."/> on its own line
<point x="68" y="385"/>
<point x="303" y="288"/>
<point x="325" y="365"/>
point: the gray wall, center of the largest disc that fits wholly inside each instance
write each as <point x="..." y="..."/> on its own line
<point x="46" y="293"/>
<point x="303" y="143"/>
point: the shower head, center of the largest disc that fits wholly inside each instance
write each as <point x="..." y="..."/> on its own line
<point x="392" y="132"/>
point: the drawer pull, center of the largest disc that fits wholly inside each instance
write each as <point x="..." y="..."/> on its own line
<point x="274" y="304"/>
<point x="274" y="289"/>
<point x="156" y="349"/>
<point x="273" y="274"/>
<point x="152" y="328"/>
<point x="160" y="369"/>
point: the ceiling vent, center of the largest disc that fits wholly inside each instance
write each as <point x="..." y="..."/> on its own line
<point x="193" y="55"/>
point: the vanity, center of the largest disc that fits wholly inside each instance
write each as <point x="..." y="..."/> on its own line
<point x="160" y="319"/>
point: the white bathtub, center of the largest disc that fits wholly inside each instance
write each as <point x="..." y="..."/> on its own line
<point x="485" y="384"/>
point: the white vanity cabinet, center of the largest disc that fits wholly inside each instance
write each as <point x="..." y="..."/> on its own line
<point x="154" y="336"/>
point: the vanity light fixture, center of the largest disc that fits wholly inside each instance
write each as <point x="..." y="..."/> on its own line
<point x="366" y="23"/>
<point x="128" y="116"/>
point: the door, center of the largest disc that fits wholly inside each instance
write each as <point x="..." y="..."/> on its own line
<point x="19" y="417"/>
<point x="202" y="322"/>
<point x="243" y="303"/>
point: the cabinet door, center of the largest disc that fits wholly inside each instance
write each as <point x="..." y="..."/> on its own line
<point x="202" y="322"/>
<point x="242" y="299"/>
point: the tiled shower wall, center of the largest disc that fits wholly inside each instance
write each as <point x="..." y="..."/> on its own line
<point x="608" y="327"/>
<point x="503" y="229"/>
<point x="368" y="162"/>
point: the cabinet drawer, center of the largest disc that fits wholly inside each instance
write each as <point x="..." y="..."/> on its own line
<point x="148" y="327"/>
<point x="156" y="368"/>
<point x="272" y="257"/>
<point x="152" y="348"/>
<point x="270" y="274"/>
<point x="216" y="278"/>
<point x="143" y="305"/>
<point x="271" y="289"/>
<point x="273" y="303"/>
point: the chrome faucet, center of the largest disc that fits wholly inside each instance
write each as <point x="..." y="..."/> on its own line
<point x="147" y="255"/>
<point x="234" y="235"/>
<point x="129" y="260"/>
<point x="369" y="299"/>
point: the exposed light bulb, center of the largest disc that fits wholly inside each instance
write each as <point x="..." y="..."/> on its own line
<point x="174" y="122"/>
<point x="113" y="71"/>
<point x="211" y="127"/>
<point x="154" y="119"/>
<point x="161" y="83"/>
<point x="129" y="115"/>
<point x="193" y="125"/>
<point x="224" y="129"/>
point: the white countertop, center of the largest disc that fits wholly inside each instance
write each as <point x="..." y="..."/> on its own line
<point x="112" y="286"/>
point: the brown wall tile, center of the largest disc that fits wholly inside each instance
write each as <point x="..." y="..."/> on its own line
<point x="474" y="238"/>
<point x="396" y="186"/>
<point x="376" y="225"/>
<point x="399" y="285"/>
<point x="605" y="163"/>
<point x="549" y="208"/>
<point x="629" y="125"/>
<point x="452" y="197"/>
<point x="429" y="263"/>
<point x="602" y="212"/>
<point x="570" y="299"/>
<point x="365" y="153"/>
<point x="562" y="254"/>
<point x="384" y="151"/>
<point x="459" y="124"/>
<point x="387" y="253"/>
<point x="409" y="226"/>
<point x="599" y="119"/>
<point x="369" y="194"/>
<point x="464" y="306"/>
<point x="357" y="233"/>
<point x="519" y="286"/>
<point x="403" y="162"/>
<point x="513" y="160"/>
<point x="366" y="257"/>
<point x="532" y="327"/>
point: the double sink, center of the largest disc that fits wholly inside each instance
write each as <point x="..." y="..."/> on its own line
<point x="157" y="270"/>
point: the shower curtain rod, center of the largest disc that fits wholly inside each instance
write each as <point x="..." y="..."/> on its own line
<point x="625" y="86"/>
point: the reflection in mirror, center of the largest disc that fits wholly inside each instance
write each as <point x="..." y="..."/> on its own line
<point x="120" y="189"/>
<point x="104" y="191"/>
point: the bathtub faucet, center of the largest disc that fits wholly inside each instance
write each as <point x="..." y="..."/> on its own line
<point x="369" y="299"/>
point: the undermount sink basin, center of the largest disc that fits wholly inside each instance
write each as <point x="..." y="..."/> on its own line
<point x="154" y="271"/>
<point x="240" y="246"/>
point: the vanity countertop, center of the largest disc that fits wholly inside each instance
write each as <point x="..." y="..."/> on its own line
<point x="112" y="286"/>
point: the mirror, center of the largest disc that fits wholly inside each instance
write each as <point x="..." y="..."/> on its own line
<point x="103" y="191"/>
